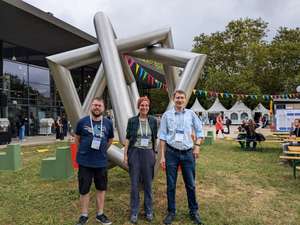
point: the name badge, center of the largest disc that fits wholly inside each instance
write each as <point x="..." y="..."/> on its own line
<point x="144" y="141"/>
<point x="96" y="143"/>
<point x="179" y="135"/>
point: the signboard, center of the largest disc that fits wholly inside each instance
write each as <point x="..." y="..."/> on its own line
<point x="285" y="118"/>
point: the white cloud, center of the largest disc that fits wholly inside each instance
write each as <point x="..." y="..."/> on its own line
<point x="187" y="18"/>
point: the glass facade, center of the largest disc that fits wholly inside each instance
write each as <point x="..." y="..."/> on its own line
<point x="28" y="88"/>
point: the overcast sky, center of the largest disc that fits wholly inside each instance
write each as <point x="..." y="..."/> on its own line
<point x="187" y="18"/>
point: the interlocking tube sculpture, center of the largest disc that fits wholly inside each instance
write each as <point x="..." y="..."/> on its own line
<point x="115" y="73"/>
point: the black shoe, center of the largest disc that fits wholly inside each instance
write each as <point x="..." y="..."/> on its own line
<point x="149" y="217"/>
<point x="82" y="220"/>
<point x="196" y="218"/>
<point x="169" y="218"/>
<point x="133" y="219"/>
<point x="103" y="219"/>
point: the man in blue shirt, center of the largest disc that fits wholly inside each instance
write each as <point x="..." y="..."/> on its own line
<point x="94" y="135"/>
<point x="177" y="148"/>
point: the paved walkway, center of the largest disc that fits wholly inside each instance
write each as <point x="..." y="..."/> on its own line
<point x="50" y="139"/>
<point x="34" y="140"/>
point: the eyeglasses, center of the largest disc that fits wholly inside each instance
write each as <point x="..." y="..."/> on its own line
<point x="96" y="105"/>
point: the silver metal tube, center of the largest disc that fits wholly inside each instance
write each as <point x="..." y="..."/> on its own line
<point x="127" y="71"/>
<point x="90" y="54"/>
<point x="191" y="75"/>
<point x="134" y="93"/>
<point x="165" y="55"/>
<point x="116" y="155"/>
<point x="171" y="78"/>
<point x="96" y="90"/>
<point x="67" y="91"/>
<point x="114" y="74"/>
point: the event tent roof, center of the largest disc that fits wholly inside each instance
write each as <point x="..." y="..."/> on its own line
<point x="260" y="108"/>
<point x="197" y="107"/>
<point x="239" y="106"/>
<point x="217" y="107"/>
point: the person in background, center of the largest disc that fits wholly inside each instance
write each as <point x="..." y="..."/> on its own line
<point x="64" y="123"/>
<point x="295" y="132"/>
<point x="59" y="129"/>
<point x="219" y="125"/>
<point x="228" y="123"/>
<point x="139" y="155"/>
<point x="94" y="135"/>
<point x="251" y="134"/>
<point x="21" y="127"/>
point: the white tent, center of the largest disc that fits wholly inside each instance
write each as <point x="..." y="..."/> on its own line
<point x="261" y="109"/>
<point x="238" y="112"/>
<point x="197" y="107"/>
<point x="217" y="107"/>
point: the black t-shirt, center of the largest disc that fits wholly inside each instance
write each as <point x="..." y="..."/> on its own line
<point x="296" y="132"/>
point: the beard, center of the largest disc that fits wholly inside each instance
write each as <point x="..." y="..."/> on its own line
<point x="96" y="113"/>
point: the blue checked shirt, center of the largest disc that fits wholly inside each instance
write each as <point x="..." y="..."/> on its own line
<point x="185" y="121"/>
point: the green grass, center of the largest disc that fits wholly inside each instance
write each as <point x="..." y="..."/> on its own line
<point x="234" y="187"/>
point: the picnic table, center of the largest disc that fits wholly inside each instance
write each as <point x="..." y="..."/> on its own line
<point x="293" y="155"/>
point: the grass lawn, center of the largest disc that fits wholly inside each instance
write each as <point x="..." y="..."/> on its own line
<point x="234" y="187"/>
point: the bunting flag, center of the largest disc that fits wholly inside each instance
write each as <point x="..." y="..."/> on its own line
<point x="243" y="96"/>
<point x="142" y="74"/>
<point x="136" y="68"/>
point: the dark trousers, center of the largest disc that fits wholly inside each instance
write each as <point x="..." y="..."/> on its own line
<point x="187" y="162"/>
<point x="250" y="139"/>
<point x="141" y="170"/>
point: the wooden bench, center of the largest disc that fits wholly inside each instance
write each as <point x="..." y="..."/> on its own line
<point x="291" y="153"/>
<point x="294" y="148"/>
<point x="295" y="161"/>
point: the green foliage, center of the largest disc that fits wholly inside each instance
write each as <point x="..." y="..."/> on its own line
<point x="241" y="61"/>
<point x="159" y="101"/>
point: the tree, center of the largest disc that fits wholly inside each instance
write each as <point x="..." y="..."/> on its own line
<point x="241" y="61"/>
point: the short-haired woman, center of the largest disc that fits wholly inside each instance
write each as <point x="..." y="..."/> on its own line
<point x="139" y="155"/>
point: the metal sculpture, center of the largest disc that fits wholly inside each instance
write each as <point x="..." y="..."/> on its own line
<point x="114" y="72"/>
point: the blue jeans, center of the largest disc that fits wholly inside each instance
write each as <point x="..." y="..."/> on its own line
<point x="21" y="133"/>
<point x="187" y="162"/>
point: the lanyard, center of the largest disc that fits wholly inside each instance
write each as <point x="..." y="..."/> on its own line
<point x="101" y="125"/>
<point x="142" y="128"/>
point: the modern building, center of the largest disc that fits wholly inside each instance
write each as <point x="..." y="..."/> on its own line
<point x="27" y="36"/>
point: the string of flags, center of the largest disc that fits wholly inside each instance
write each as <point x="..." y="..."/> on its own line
<point x="142" y="74"/>
<point x="243" y="96"/>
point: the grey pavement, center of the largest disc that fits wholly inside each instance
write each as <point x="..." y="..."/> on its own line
<point x="50" y="139"/>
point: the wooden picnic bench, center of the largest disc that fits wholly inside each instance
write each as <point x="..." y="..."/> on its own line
<point x="295" y="161"/>
<point x="294" y="148"/>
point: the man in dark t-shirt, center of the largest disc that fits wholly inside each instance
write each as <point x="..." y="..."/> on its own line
<point x="94" y="135"/>
<point x="295" y="132"/>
